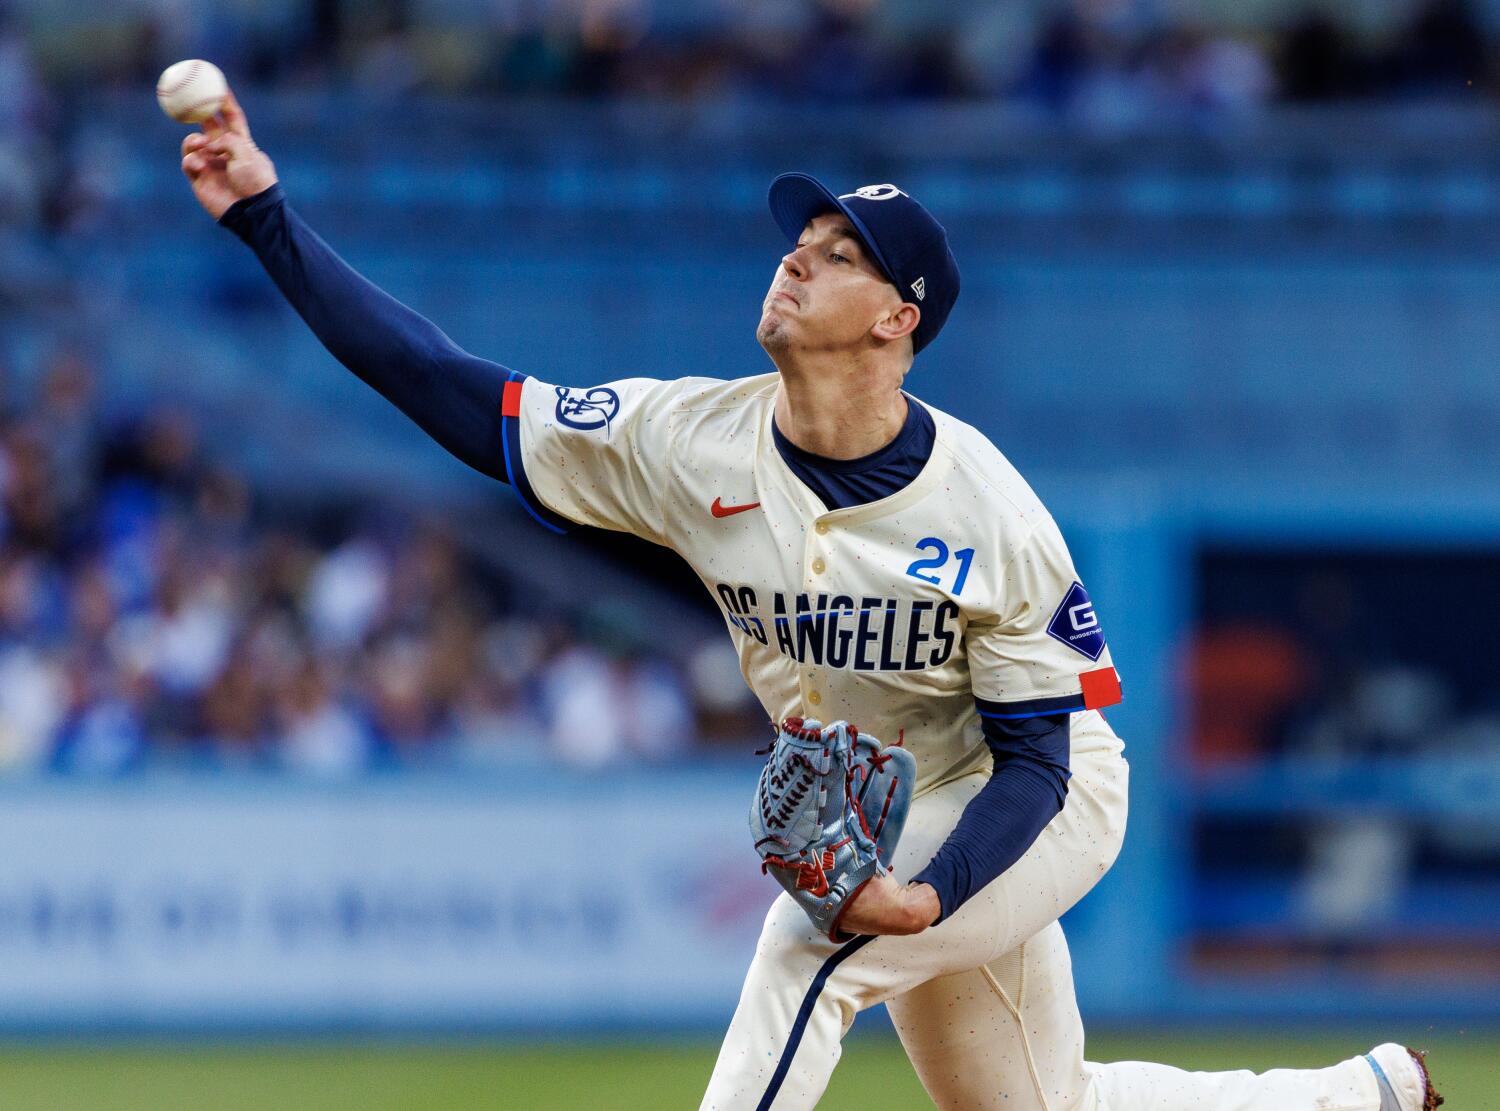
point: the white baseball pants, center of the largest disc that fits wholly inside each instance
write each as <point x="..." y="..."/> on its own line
<point x="984" y="1002"/>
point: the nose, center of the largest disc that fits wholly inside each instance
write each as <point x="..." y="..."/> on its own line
<point x="795" y="264"/>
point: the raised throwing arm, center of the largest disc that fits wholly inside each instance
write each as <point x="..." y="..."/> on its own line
<point x="455" y="397"/>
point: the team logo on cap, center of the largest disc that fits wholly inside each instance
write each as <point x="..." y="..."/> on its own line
<point x="875" y="193"/>
<point x="919" y="287"/>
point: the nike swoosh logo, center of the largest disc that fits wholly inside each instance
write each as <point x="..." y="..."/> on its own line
<point x="719" y="509"/>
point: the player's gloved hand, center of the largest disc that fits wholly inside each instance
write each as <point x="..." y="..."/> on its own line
<point x="827" y="814"/>
<point x="222" y="163"/>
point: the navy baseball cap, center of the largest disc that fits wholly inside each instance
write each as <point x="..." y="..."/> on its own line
<point x="909" y="246"/>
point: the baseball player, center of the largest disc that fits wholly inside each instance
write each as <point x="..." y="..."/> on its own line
<point x="875" y="560"/>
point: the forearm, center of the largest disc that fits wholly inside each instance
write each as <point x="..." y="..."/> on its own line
<point x="1026" y="791"/>
<point x="452" y="395"/>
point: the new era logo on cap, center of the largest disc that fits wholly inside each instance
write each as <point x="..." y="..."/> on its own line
<point x="909" y="246"/>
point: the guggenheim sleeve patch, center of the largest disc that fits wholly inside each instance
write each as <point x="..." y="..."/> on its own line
<point x="1076" y="624"/>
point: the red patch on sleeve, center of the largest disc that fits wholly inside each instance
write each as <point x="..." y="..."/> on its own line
<point x="510" y="400"/>
<point x="1100" y="688"/>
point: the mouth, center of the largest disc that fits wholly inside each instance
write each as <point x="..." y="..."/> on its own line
<point x="783" y="293"/>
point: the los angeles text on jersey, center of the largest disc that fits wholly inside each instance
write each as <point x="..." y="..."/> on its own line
<point x="844" y="631"/>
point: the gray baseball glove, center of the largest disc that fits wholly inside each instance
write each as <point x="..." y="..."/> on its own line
<point x="828" y="811"/>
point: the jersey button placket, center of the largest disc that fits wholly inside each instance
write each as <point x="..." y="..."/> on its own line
<point x="817" y="566"/>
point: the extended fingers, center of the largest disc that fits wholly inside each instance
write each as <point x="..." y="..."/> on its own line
<point x="227" y="146"/>
<point x="233" y="115"/>
<point x="202" y="152"/>
<point x="195" y="163"/>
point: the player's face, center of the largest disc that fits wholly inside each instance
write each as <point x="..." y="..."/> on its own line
<point x="827" y="293"/>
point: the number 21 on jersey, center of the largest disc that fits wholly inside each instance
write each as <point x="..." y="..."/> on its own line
<point x="935" y="569"/>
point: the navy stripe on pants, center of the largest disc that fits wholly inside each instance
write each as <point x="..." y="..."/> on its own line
<point x="803" y="1014"/>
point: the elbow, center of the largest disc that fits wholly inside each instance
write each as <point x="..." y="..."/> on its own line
<point x="1049" y="778"/>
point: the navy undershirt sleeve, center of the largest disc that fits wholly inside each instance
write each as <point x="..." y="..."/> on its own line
<point x="454" y="396"/>
<point x="1026" y="790"/>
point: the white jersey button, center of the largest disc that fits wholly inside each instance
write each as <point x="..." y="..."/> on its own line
<point x="814" y="698"/>
<point x="818" y="567"/>
<point x="821" y="528"/>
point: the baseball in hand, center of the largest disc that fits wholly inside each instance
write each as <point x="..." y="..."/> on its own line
<point x="191" y="91"/>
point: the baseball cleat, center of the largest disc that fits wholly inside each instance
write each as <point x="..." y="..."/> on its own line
<point x="1405" y="1084"/>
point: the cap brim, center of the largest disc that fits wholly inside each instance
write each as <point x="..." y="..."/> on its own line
<point x="796" y="198"/>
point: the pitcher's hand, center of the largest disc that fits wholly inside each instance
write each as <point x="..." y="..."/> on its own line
<point x="884" y="906"/>
<point x="222" y="162"/>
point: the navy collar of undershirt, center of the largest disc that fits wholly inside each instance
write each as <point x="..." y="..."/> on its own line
<point x="918" y="425"/>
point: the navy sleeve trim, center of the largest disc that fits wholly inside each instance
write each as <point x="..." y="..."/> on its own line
<point x="515" y="465"/>
<point x="1030" y="708"/>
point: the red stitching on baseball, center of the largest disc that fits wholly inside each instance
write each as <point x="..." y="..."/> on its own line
<point x="191" y="73"/>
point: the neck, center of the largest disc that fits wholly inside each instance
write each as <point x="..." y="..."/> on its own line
<point x="843" y="411"/>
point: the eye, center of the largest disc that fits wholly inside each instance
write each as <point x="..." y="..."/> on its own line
<point x="837" y="257"/>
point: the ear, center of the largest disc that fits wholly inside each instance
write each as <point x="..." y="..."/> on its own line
<point x="900" y="321"/>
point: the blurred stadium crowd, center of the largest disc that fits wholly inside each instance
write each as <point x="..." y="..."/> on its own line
<point x="152" y="612"/>
<point x="1063" y="54"/>
<point x="1105" y="66"/>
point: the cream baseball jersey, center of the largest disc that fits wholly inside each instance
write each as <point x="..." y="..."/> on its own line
<point x="910" y="616"/>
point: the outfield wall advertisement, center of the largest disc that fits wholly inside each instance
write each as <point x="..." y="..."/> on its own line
<point x="394" y="904"/>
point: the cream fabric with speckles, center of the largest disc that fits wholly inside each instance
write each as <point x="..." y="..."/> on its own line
<point x="984" y="1002"/>
<point x="1069" y="857"/>
<point x="1008" y="1037"/>
<point x="894" y="615"/>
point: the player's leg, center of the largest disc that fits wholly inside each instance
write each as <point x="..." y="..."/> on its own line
<point x="1141" y="1086"/>
<point x="1003" y="1035"/>
<point x="1008" y="1036"/>
<point x="803" y="991"/>
<point x="797" y="1003"/>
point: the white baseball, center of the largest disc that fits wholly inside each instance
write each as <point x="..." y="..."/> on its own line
<point x="191" y="91"/>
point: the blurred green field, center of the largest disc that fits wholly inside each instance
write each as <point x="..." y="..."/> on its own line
<point x="326" y="1077"/>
